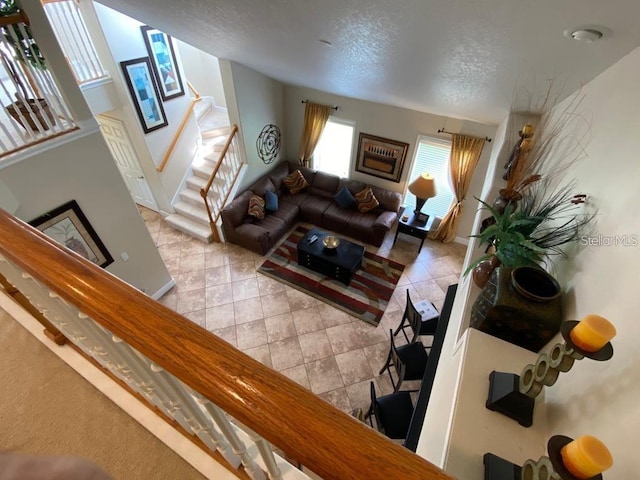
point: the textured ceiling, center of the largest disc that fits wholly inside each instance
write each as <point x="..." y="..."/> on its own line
<point x="459" y="58"/>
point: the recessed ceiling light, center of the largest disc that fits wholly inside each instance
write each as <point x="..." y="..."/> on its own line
<point x="326" y="42"/>
<point x="586" y="35"/>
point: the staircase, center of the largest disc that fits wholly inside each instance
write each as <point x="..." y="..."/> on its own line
<point x="190" y="214"/>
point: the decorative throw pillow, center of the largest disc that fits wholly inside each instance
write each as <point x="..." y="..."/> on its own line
<point x="295" y="182"/>
<point x="366" y="200"/>
<point x="256" y="207"/>
<point x="270" y="201"/>
<point x="344" y="198"/>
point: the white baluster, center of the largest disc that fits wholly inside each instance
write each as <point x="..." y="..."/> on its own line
<point x="200" y="423"/>
<point x="239" y="448"/>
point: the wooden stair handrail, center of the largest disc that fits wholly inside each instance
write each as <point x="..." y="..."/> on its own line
<point x="329" y="442"/>
<point x="177" y="135"/>
<point x="225" y="149"/>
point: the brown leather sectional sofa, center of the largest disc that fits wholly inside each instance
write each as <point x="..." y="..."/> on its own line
<point x="315" y="204"/>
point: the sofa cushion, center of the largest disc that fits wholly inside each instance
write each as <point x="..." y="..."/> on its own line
<point x="366" y="200"/>
<point x="287" y="212"/>
<point x="344" y="198"/>
<point x="313" y="208"/>
<point x="262" y="185"/>
<point x="256" y="207"/>
<point x="325" y="184"/>
<point x="388" y="200"/>
<point x="295" y="182"/>
<point x="296" y="199"/>
<point x="277" y="175"/>
<point x="361" y="224"/>
<point x="270" y="201"/>
<point x="355" y="186"/>
<point x="336" y="218"/>
<point x="275" y="226"/>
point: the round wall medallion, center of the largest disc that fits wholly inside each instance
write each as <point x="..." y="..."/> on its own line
<point x="268" y="143"/>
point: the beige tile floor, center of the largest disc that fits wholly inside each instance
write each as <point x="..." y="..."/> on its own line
<point x="322" y="348"/>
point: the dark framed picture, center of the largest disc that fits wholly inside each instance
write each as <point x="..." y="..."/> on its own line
<point x="381" y="157"/>
<point x="144" y="93"/>
<point x="68" y="226"/>
<point x="163" y="61"/>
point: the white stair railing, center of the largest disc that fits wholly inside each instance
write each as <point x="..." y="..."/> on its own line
<point x="70" y="30"/>
<point x="223" y="177"/>
<point x="191" y="410"/>
<point x="33" y="107"/>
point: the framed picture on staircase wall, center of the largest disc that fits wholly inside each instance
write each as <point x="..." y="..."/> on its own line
<point x="144" y="93"/>
<point x="163" y="60"/>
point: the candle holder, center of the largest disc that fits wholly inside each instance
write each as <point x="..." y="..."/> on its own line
<point x="550" y="467"/>
<point x="514" y="395"/>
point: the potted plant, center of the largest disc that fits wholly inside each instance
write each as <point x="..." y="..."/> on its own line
<point x="545" y="220"/>
<point x="24" y="49"/>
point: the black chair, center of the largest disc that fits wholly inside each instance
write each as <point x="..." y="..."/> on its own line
<point x="412" y="319"/>
<point x="409" y="362"/>
<point x="392" y="412"/>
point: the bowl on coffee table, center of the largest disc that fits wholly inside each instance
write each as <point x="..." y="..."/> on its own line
<point x="330" y="242"/>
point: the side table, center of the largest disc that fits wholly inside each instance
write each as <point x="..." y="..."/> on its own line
<point x="414" y="227"/>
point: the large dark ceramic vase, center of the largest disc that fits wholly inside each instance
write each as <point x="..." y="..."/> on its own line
<point x="521" y="306"/>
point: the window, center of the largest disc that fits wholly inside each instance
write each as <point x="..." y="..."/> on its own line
<point x="333" y="152"/>
<point x="432" y="156"/>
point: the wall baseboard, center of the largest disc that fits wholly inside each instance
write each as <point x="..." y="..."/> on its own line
<point x="169" y="285"/>
<point x="461" y="240"/>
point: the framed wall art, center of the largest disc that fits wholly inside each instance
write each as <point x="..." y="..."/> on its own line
<point x="144" y="93"/>
<point x="381" y="157"/>
<point x="68" y="226"/>
<point x="163" y="61"/>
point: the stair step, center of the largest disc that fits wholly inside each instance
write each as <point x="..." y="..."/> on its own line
<point x="191" y="196"/>
<point x="203" y="170"/>
<point x="190" y="227"/>
<point x="196" y="182"/>
<point x="196" y="213"/>
<point x="202" y="108"/>
<point x="216" y="132"/>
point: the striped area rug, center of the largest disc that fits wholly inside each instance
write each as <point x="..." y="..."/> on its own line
<point x="366" y="297"/>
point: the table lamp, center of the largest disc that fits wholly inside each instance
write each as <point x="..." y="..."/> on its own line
<point x="423" y="187"/>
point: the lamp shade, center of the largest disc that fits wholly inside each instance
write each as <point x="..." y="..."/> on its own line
<point x="424" y="186"/>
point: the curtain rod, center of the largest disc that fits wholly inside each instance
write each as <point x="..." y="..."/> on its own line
<point x="333" y="108"/>
<point x="442" y="130"/>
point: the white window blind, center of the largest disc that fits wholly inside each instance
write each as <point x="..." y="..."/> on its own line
<point x="333" y="151"/>
<point x="432" y="156"/>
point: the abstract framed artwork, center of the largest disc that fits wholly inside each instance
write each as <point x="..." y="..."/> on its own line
<point x="144" y="93"/>
<point x="68" y="226"/>
<point x="381" y="157"/>
<point x="163" y="61"/>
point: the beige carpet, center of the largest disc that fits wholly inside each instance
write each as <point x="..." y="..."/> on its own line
<point x="47" y="408"/>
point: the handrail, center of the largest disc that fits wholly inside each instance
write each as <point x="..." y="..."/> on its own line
<point x="329" y="442"/>
<point x="225" y="149"/>
<point x="19" y="17"/>
<point x="177" y="135"/>
<point x="204" y="192"/>
<point x="193" y="90"/>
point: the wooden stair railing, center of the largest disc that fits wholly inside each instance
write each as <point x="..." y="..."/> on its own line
<point x="327" y="441"/>
<point x="231" y="157"/>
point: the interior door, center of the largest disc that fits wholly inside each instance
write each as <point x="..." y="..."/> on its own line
<point x="115" y="133"/>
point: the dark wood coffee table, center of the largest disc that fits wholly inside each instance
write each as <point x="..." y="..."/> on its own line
<point x="340" y="263"/>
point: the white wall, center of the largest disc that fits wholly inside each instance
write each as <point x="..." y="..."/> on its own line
<point x="253" y="101"/>
<point x="390" y="122"/>
<point x="203" y="72"/>
<point x="601" y="398"/>
<point x="82" y="169"/>
<point x="126" y="42"/>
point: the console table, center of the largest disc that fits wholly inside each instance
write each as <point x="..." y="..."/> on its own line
<point x="340" y="263"/>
